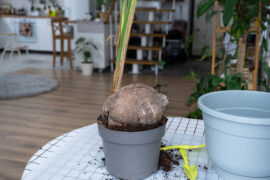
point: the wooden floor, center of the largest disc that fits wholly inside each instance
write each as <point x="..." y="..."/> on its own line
<point x="26" y="124"/>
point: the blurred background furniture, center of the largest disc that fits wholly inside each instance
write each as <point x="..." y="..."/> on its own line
<point x="62" y="32"/>
<point x="12" y="45"/>
<point x="5" y="8"/>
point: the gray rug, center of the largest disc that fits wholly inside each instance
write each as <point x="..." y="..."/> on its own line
<point x="24" y="85"/>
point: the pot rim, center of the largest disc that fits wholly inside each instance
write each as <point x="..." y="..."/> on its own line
<point x="132" y="132"/>
<point x="138" y="137"/>
<point x="229" y="117"/>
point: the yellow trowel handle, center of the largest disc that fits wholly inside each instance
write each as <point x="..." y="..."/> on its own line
<point x="183" y="152"/>
<point x="182" y="147"/>
<point x="191" y="171"/>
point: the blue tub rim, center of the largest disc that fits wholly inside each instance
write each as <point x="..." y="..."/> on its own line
<point x="229" y="117"/>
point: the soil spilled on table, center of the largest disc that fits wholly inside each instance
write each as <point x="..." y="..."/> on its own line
<point x="167" y="159"/>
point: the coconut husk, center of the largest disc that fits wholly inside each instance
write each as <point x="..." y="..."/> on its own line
<point x="135" y="104"/>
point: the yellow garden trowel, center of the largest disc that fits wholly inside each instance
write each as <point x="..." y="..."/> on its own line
<point x="191" y="171"/>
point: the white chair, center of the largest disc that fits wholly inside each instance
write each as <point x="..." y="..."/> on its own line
<point x="12" y="45"/>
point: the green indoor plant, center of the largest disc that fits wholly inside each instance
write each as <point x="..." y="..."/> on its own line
<point x="265" y="83"/>
<point x="212" y="83"/>
<point x="239" y="16"/>
<point x="103" y="4"/>
<point x="242" y="17"/>
<point x="84" y="47"/>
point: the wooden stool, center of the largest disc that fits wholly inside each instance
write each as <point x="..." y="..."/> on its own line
<point x="59" y="24"/>
<point x="12" y="45"/>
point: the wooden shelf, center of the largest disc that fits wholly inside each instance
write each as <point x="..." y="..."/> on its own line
<point x="135" y="61"/>
<point x="154" y="9"/>
<point x="152" y="22"/>
<point x="147" y="34"/>
<point x="25" y="16"/>
<point x="158" y="48"/>
<point x="226" y="29"/>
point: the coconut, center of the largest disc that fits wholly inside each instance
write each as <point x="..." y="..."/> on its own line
<point x="135" y="104"/>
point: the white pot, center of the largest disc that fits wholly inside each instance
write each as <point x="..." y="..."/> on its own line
<point x="87" y="68"/>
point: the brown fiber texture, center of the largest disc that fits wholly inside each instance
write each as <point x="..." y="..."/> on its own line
<point x="135" y="104"/>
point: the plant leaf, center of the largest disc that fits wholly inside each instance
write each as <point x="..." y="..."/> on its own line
<point x="204" y="7"/>
<point x="162" y="63"/>
<point x="210" y="15"/>
<point x="228" y="11"/>
<point x="265" y="44"/>
<point x="80" y="40"/>
<point x="253" y="11"/>
<point x="232" y="85"/>
<point x="216" y="82"/>
<point x="228" y="59"/>
<point x="188" y="42"/>
<point x="236" y="24"/>
<point x="192" y="76"/>
<point x="87" y="54"/>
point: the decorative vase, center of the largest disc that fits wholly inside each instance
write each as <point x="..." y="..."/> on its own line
<point x="87" y="68"/>
<point x="131" y="155"/>
<point x="237" y="132"/>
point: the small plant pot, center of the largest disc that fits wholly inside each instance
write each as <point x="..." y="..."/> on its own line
<point x="237" y="132"/>
<point x="131" y="155"/>
<point x="246" y="73"/>
<point x="87" y="68"/>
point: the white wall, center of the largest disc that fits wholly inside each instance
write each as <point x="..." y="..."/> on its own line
<point x="204" y="36"/>
<point x="181" y="11"/>
<point x="67" y="5"/>
<point x="76" y="10"/>
<point x="26" y="4"/>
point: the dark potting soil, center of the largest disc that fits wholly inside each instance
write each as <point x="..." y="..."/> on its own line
<point x="167" y="159"/>
<point x="103" y="121"/>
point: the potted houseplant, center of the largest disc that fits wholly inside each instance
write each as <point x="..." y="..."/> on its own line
<point x="39" y="12"/>
<point x="84" y="48"/>
<point x="131" y="133"/>
<point x="132" y="121"/>
<point x="103" y="5"/>
<point x="240" y="18"/>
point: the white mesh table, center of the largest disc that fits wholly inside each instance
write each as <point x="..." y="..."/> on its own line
<point x="77" y="155"/>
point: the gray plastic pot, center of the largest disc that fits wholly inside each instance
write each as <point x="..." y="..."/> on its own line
<point x="237" y="132"/>
<point x="131" y="155"/>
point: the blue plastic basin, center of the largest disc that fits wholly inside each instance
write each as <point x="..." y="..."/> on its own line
<point x="237" y="132"/>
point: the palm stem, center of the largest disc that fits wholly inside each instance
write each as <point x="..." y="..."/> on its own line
<point x="127" y="20"/>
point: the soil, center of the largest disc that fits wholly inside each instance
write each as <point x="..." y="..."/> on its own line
<point x="168" y="158"/>
<point x="103" y="159"/>
<point x="205" y="167"/>
<point x="103" y="121"/>
<point x="165" y="161"/>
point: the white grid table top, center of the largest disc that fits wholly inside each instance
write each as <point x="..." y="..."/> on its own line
<point x="77" y="155"/>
